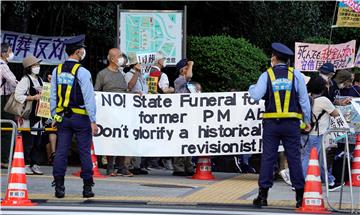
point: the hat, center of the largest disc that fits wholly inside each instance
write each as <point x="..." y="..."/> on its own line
<point x="132" y="59"/>
<point x="306" y="78"/>
<point x="282" y="50"/>
<point x="181" y="64"/>
<point x="30" y="60"/>
<point x="342" y="76"/>
<point x="159" y="56"/>
<point x="76" y="42"/>
<point x="327" y="68"/>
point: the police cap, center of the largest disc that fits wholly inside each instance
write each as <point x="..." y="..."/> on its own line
<point x="181" y="64"/>
<point x="281" y="50"/>
<point x="327" y="68"/>
<point x="75" y="42"/>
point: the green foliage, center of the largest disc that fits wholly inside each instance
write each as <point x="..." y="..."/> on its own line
<point x="222" y="63"/>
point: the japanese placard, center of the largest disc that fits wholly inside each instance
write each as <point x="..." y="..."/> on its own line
<point x="43" y="109"/>
<point x="309" y="57"/>
<point x="348" y="14"/>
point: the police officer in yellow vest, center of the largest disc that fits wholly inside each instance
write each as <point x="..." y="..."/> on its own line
<point x="72" y="104"/>
<point x="286" y="103"/>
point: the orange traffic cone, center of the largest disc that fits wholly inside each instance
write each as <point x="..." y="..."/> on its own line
<point x="203" y="169"/>
<point x="96" y="171"/>
<point x="313" y="201"/>
<point x="355" y="166"/>
<point x="17" y="194"/>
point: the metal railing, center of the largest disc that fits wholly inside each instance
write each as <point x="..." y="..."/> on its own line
<point x="13" y="136"/>
<point x="346" y="158"/>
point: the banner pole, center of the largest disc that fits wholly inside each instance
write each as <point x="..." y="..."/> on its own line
<point x="331" y="28"/>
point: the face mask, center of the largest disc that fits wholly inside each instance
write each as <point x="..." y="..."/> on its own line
<point x="83" y="56"/>
<point x="121" y="61"/>
<point x="164" y="64"/>
<point x="11" y="56"/>
<point x="341" y="86"/>
<point x="325" y="77"/>
<point x="35" y="70"/>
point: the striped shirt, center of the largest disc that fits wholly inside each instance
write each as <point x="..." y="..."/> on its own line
<point x="8" y="77"/>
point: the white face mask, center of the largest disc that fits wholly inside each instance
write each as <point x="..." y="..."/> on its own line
<point x="341" y="86"/>
<point x="164" y="64"/>
<point x="121" y="61"/>
<point x="325" y="77"/>
<point x="83" y="55"/>
<point x="11" y="56"/>
<point x="35" y="70"/>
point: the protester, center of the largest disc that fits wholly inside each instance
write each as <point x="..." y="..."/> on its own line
<point x="111" y="79"/>
<point x="136" y="83"/>
<point x="343" y="80"/>
<point x="327" y="72"/>
<point x="74" y="113"/>
<point x="8" y="84"/>
<point x="163" y="86"/>
<point x="183" y="165"/>
<point x="163" y="80"/>
<point x="281" y="123"/>
<point x="322" y="109"/>
<point x="50" y="136"/>
<point x="29" y="89"/>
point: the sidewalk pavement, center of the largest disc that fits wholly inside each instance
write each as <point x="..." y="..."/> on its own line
<point x="160" y="187"/>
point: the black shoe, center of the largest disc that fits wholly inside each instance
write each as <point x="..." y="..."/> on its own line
<point x="299" y="197"/>
<point x="335" y="186"/>
<point x="58" y="183"/>
<point x="87" y="188"/>
<point x="138" y="171"/>
<point x="245" y="168"/>
<point x="189" y="173"/>
<point x="179" y="174"/>
<point x="143" y="172"/>
<point x="261" y="199"/>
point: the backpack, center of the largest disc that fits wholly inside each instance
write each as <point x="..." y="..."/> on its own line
<point x="314" y="124"/>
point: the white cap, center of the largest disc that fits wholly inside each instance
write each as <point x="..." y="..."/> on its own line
<point x="159" y="56"/>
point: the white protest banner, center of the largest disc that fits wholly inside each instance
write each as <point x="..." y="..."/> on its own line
<point x="44" y="102"/>
<point x="50" y="49"/>
<point x="178" y="124"/>
<point x="309" y="57"/>
<point x="357" y="59"/>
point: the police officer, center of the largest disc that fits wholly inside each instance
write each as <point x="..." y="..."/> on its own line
<point x="284" y="91"/>
<point x="72" y="104"/>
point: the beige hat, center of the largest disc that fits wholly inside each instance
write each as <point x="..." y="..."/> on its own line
<point x="132" y="58"/>
<point x="30" y="60"/>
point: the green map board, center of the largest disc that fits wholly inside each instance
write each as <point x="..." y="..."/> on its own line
<point x="152" y="31"/>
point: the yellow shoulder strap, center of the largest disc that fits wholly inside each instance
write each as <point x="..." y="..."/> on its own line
<point x="276" y="93"/>
<point x="288" y="91"/>
<point x="69" y="87"/>
<point x="59" y="69"/>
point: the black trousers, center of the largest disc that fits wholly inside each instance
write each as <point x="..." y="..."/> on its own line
<point x="32" y="148"/>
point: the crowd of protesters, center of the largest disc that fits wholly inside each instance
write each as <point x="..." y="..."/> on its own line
<point x="124" y="74"/>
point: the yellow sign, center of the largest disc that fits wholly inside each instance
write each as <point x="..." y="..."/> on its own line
<point x="347" y="17"/>
<point x="44" y="103"/>
<point x="153" y="84"/>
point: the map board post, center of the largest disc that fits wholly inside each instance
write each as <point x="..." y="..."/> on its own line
<point x="145" y="31"/>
